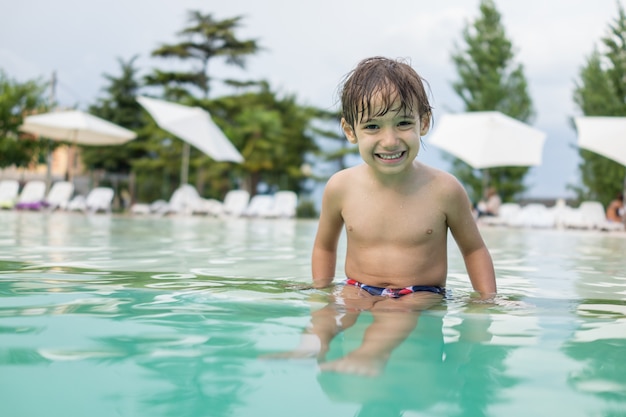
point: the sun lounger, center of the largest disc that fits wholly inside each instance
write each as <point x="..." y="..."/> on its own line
<point x="506" y="215"/>
<point x="534" y="215"/>
<point x="285" y="205"/>
<point x="99" y="199"/>
<point x="59" y="195"/>
<point x="184" y="200"/>
<point x="145" y="208"/>
<point x="590" y="215"/>
<point x="9" y="191"/>
<point x="235" y="203"/>
<point x="32" y="196"/>
<point x="259" y="205"/>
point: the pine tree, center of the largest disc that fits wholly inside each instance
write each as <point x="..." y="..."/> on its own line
<point x="490" y="80"/>
<point x="601" y="91"/>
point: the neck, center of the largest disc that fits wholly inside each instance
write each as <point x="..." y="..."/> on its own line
<point x="401" y="180"/>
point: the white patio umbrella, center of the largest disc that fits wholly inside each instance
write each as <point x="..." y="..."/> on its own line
<point x="604" y="135"/>
<point x="488" y="139"/>
<point x="77" y="128"/>
<point x="194" y="126"/>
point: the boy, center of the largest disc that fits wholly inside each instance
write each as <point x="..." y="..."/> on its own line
<point x="396" y="212"/>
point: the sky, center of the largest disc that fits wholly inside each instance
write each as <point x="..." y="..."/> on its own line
<point x="309" y="46"/>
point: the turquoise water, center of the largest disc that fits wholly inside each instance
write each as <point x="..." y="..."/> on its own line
<point x="117" y="316"/>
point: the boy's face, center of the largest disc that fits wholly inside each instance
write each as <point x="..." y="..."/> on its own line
<point x="388" y="143"/>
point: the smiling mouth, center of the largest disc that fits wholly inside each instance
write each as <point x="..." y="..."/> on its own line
<point x="391" y="156"/>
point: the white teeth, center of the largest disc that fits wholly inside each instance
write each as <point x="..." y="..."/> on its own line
<point x="390" y="156"/>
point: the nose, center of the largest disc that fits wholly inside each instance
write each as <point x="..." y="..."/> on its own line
<point x="389" y="139"/>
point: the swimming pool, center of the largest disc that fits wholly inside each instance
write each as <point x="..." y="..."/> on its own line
<point x="117" y="316"/>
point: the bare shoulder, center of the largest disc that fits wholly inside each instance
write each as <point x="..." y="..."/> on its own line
<point x="341" y="180"/>
<point x="450" y="194"/>
<point x="445" y="182"/>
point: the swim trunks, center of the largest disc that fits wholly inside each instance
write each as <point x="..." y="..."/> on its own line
<point x="396" y="292"/>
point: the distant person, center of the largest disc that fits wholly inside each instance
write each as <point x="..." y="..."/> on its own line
<point x="491" y="205"/>
<point x="396" y="212"/>
<point x="615" y="209"/>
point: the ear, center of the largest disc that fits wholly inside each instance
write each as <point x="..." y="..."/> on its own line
<point x="424" y="124"/>
<point x="348" y="131"/>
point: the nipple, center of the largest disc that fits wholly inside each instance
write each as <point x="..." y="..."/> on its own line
<point x="429" y="231"/>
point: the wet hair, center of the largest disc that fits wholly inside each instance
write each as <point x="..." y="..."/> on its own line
<point x="392" y="79"/>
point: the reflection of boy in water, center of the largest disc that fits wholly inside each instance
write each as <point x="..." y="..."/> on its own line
<point x="393" y="320"/>
<point x="462" y="376"/>
<point x="414" y="378"/>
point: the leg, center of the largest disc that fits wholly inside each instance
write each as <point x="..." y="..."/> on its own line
<point x="340" y="313"/>
<point x="394" y="320"/>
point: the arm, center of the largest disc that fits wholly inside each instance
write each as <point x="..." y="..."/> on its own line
<point x="324" y="257"/>
<point x="475" y="254"/>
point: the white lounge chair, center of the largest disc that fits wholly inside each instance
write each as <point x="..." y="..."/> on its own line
<point x="285" y="205"/>
<point x="145" y="208"/>
<point x="560" y="211"/>
<point x="590" y="215"/>
<point x="59" y="195"/>
<point x="259" y="205"/>
<point x="506" y="215"/>
<point x="235" y="203"/>
<point x="534" y="216"/>
<point x="9" y="191"/>
<point x="99" y="199"/>
<point x="33" y="196"/>
<point x="184" y="200"/>
<point x="209" y="206"/>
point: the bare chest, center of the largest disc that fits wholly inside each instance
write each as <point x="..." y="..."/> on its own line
<point x="399" y="221"/>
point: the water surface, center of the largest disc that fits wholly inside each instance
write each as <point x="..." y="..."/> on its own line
<point x="118" y="316"/>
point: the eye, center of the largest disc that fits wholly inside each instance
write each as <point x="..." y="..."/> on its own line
<point x="406" y="123"/>
<point x="370" y="126"/>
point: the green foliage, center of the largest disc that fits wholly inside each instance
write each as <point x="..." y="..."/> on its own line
<point x="203" y="40"/>
<point x="271" y="133"/>
<point x="274" y="133"/>
<point x="17" y="100"/>
<point x="601" y="91"/>
<point x="338" y="147"/>
<point x="489" y="79"/>
<point x="306" y="210"/>
<point x="118" y="106"/>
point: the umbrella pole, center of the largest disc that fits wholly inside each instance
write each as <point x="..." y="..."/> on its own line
<point x="184" y="169"/>
<point x="485" y="182"/>
<point x="48" y="166"/>
<point x="69" y="171"/>
<point x="624" y="203"/>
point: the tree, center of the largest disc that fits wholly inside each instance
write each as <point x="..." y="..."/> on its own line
<point x="490" y="79"/>
<point x="204" y="39"/>
<point x="137" y="161"/>
<point x="601" y="91"/>
<point x="19" y="99"/>
<point x="118" y="106"/>
<point x="271" y="132"/>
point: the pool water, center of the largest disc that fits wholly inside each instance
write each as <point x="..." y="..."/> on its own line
<point x="117" y="316"/>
